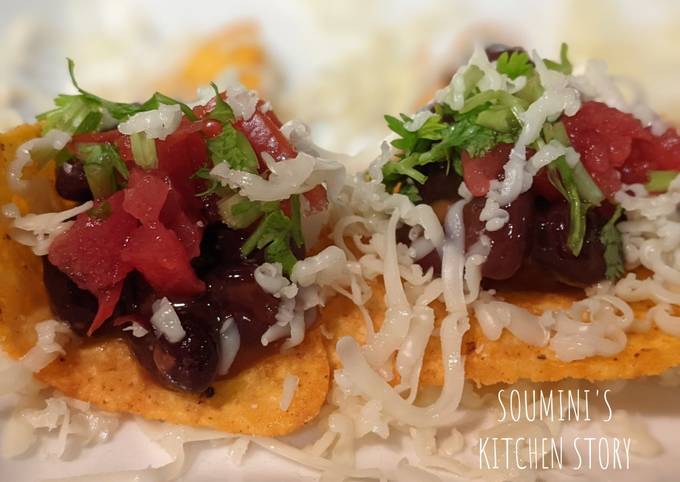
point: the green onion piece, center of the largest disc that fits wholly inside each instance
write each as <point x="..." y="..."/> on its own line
<point x="498" y="118"/>
<point x="471" y="78"/>
<point x="532" y="90"/>
<point x="659" y="181"/>
<point x="273" y="234"/>
<point x="566" y="184"/>
<point x="90" y="123"/>
<point x="144" y="150"/>
<point x="238" y="212"/>
<point x="557" y="132"/>
<point x="100" y="163"/>
<point x="589" y="191"/>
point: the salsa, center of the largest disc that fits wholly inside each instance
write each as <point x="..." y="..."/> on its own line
<point x="156" y="230"/>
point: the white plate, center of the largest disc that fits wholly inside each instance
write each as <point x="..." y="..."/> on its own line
<point x="305" y="37"/>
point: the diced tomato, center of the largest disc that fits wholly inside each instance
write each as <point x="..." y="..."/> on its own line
<point x="89" y="252"/>
<point x="478" y="172"/>
<point x="107" y="300"/>
<point x="97" y="137"/>
<point x="145" y="195"/>
<point x="615" y="147"/>
<point x="124" y="146"/>
<point x="264" y="135"/>
<point x="317" y="199"/>
<point x="179" y="157"/>
<point x="158" y="254"/>
<point x="188" y="230"/>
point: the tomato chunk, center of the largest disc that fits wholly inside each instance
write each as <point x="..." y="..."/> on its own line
<point x="89" y="252"/>
<point x="189" y="230"/>
<point x="145" y="195"/>
<point x="615" y="147"/>
<point x="179" y="157"/>
<point x="160" y="256"/>
<point x="478" y="172"/>
<point x="264" y="135"/>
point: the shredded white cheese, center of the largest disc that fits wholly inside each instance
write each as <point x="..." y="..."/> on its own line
<point x="287" y="177"/>
<point x="39" y="230"/>
<point x="290" y="385"/>
<point x="48" y="346"/>
<point x="137" y="330"/>
<point x="230" y="342"/>
<point x="165" y="321"/>
<point x="53" y="142"/>
<point x="156" y="124"/>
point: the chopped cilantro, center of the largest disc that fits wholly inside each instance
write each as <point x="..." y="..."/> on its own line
<point x="274" y="234"/>
<point x="564" y="65"/>
<point x="222" y="111"/>
<point x="232" y="146"/>
<point x="408" y="188"/>
<point x="562" y="177"/>
<point x="74" y="114"/>
<point x="463" y="134"/>
<point x="239" y="212"/>
<point x="514" y="65"/>
<point x="100" y="163"/>
<point x="87" y="112"/>
<point x="409" y="141"/>
<point x="610" y="237"/>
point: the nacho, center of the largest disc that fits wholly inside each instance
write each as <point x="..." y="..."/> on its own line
<point x="508" y="360"/>
<point x="104" y="372"/>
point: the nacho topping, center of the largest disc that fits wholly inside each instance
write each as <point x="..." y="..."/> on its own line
<point x="182" y="206"/>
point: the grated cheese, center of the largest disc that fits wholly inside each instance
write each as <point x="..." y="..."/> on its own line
<point x="165" y="321"/>
<point x="290" y="385"/>
<point x="156" y="124"/>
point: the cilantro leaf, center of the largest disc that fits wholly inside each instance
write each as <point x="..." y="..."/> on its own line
<point x="564" y="65"/>
<point x="274" y="235"/>
<point x="87" y="112"/>
<point x="562" y="177"/>
<point x="610" y="237"/>
<point x="100" y="163"/>
<point x="239" y="212"/>
<point x="222" y="111"/>
<point x="463" y="134"/>
<point x="410" y="141"/>
<point x="232" y="146"/>
<point x="73" y="114"/>
<point x="515" y="64"/>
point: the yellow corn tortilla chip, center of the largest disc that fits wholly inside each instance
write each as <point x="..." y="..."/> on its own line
<point x="508" y="359"/>
<point x="236" y="47"/>
<point x="105" y="373"/>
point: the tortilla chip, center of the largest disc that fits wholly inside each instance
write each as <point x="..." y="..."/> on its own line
<point x="236" y="47"/>
<point x="104" y="372"/>
<point x="508" y="359"/>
